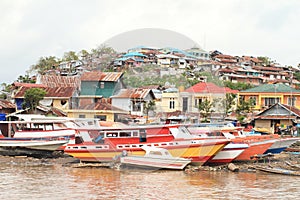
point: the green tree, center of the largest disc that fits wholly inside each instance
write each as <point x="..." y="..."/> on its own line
<point x="25" y="79"/>
<point x="44" y="64"/>
<point x="84" y="53"/>
<point x="32" y="98"/>
<point x="238" y="85"/>
<point x="149" y="106"/>
<point x="265" y="60"/>
<point x="6" y="90"/>
<point x="243" y="108"/>
<point x="103" y="49"/>
<point x="297" y="76"/>
<point x="205" y="109"/>
<point x="229" y="101"/>
<point x="69" y="56"/>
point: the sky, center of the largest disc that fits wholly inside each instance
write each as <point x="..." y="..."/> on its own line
<point x="30" y="29"/>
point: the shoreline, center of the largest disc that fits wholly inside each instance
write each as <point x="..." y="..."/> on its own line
<point x="284" y="160"/>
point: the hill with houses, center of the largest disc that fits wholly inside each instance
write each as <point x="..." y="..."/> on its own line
<point x="87" y="88"/>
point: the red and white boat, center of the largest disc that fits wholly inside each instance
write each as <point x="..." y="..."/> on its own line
<point x="228" y="153"/>
<point x="105" y="144"/>
<point x="51" y="144"/>
<point x="257" y="144"/>
<point x="22" y="133"/>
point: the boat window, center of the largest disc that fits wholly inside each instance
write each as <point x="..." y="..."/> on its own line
<point x="48" y="127"/>
<point x="78" y="140"/>
<point x="135" y="133"/>
<point x="143" y="136"/>
<point x="112" y="134"/>
<point x="155" y="153"/>
<point x="125" y="134"/>
<point x="58" y="126"/>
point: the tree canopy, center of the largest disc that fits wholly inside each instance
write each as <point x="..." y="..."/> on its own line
<point x="32" y="98"/>
<point x="44" y="64"/>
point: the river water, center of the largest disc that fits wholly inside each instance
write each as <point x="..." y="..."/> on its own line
<point x="30" y="179"/>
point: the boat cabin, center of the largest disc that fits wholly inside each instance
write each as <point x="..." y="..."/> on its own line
<point x="9" y="128"/>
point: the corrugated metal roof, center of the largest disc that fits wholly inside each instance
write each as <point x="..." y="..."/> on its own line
<point x="272" y="88"/>
<point x="61" y="92"/>
<point x="101" y="76"/>
<point x="60" y="81"/>
<point x="101" y="106"/>
<point x="6" y="104"/>
<point x="293" y="112"/>
<point x="135" y="93"/>
<point x="18" y="84"/>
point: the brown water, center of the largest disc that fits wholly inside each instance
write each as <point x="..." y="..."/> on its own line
<point x="30" y="180"/>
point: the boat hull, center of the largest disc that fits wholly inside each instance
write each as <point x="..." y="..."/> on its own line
<point x="45" y="145"/>
<point x="281" y="145"/>
<point x="227" y="154"/>
<point x="254" y="148"/>
<point x="199" y="151"/>
<point x="156" y="163"/>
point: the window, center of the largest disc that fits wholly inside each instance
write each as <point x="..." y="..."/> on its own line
<point x="102" y="85"/>
<point x="291" y="101"/>
<point x="253" y="101"/>
<point x="136" y="106"/>
<point x="184" y="104"/>
<point x="172" y="103"/>
<point x="81" y="116"/>
<point x="271" y="101"/>
<point x="198" y="102"/>
<point x="100" y="117"/>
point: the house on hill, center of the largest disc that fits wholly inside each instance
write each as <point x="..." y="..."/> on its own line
<point x="101" y="110"/>
<point x="96" y="85"/>
<point x="267" y="95"/>
<point x="59" y="97"/>
<point x="195" y="95"/>
<point x="277" y="117"/>
<point x="132" y="100"/>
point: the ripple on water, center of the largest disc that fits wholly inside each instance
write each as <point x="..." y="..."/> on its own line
<point x="20" y="181"/>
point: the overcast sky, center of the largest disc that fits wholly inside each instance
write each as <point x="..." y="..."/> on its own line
<point x="30" y="29"/>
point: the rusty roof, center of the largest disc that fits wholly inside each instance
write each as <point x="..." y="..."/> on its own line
<point x="6" y="104"/>
<point x="52" y="110"/>
<point x="101" y="106"/>
<point x="56" y="92"/>
<point x="262" y="68"/>
<point x="101" y="76"/>
<point x="60" y="81"/>
<point x="34" y="85"/>
<point x="134" y="93"/>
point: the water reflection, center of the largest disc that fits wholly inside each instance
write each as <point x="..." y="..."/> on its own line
<point x="19" y="181"/>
